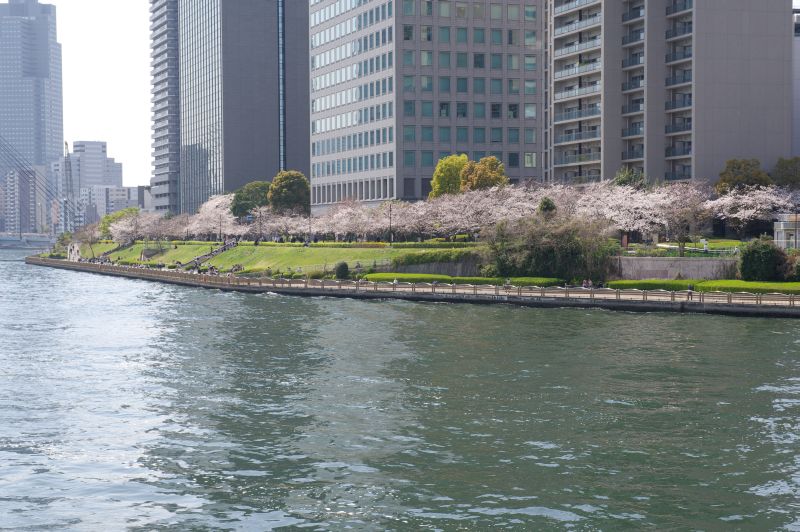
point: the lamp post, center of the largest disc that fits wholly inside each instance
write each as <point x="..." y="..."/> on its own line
<point x="391" y="234"/>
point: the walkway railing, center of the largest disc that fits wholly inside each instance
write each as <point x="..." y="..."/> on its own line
<point x="506" y="292"/>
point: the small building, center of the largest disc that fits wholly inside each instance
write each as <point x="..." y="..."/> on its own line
<point x="787" y="231"/>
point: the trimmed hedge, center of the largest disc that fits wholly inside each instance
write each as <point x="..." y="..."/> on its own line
<point x="429" y="278"/>
<point x="655" y="284"/>
<point x="435" y="245"/>
<point x="428" y="257"/>
<point x="708" y="286"/>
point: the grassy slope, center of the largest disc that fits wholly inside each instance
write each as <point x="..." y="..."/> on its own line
<point x="259" y="258"/>
<point x="183" y="253"/>
<point x="98" y="249"/>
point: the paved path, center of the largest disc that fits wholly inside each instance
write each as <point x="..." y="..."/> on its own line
<point x="738" y="304"/>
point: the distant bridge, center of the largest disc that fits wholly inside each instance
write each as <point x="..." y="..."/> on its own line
<point x="26" y="240"/>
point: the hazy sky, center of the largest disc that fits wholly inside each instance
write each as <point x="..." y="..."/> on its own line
<point x="106" y="47"/>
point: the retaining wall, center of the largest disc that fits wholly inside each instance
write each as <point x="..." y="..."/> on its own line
<point x="638" y="268"/>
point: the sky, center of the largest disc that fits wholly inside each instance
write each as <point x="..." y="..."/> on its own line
<point x="106" y="64"/>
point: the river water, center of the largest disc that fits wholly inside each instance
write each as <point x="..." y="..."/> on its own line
<point x="128" y="405"/>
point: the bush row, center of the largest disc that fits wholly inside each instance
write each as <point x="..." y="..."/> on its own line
<point x="430" y="278"/>
<point x="428" y="257"/>
<point x="752" y="287"/>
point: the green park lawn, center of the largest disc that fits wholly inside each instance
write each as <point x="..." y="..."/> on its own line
<point x="261" y="258"/>
<point x="98" y="249"/>
<point x="183" y="253"/>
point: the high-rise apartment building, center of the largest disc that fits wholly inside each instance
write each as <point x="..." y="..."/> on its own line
<point x="796" y="83"/>
<point x="399" y="84"/>
<point x="672" y="88"/>
<point x="165" y="183"/>
<point x="31" y="116"/>
<point x="230" y="83"/>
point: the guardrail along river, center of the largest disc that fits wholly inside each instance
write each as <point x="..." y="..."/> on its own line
<point x="128" y="404"/>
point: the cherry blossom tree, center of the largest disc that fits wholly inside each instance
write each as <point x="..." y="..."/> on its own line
<point x="747" y="204"/>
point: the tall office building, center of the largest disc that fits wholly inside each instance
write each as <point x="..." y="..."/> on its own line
<point x="31" y="115"/>
<point x="672" y="88"/>
<point x="796" y="83"/>
<point x="165" y="184"/>
<point x="396" y="85"/>
<point x="240" y="110"/>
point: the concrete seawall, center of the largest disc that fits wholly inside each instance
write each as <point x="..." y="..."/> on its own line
<point x="747" y="305"/>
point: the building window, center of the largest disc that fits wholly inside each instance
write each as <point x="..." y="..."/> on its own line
<point x="530" y="13"/>
<point x="478" y="10"/>
<point x="513" y="86"/>
<point x="427" y="8"/>
<point x="444" y="8"/>
<point x="408" y="58"/>
<point x="530" y="135"/>
<point x="426" y="33"/>
<point x="530" y="160"/>
<point x="444" y="109"/>
<point x="462" y="85"/>
<point x="461" y="60"/>
<point x="426" y="58"/>
<point x="512" y="62"/>
<point x="513" y="12"/>
<point x="513" y="160"/>
<point x="496" y="12"/>
<point x="496" y="86"/>
<point x="461" y="9"/>
<point x="461" y="35"/>
<point x="479" y="135"/>
<point x="513" y="135"/>
<point x="478" y="61"/>
<point x="409" y="133"/>
<point x="444" y="59"/>
<point x="426" y="159"/>
<point x="479" y="85"/>
<point x="427" y="109"/>
<point x="530" y="110"/>
<point x="408" y="83"/>
<point x="530" y="87"/>
<point x="479" y="36"/>
<point x="496" y="134"/>
<point x="444" y="85"/>
<point x="427" y="133"/>
<point x="530" y="63"/>
<point x="426" y="82"/>
<point x="479" y="110"/>
<point x="462" y="134"/>
<point x="497" y="37"/>
<point x="444" y="34"/>
<point x="409" y="108"/>
<point x="497" y="111"/>
<point x="461" y="110"/>
<point x="513" y="110"/>
<point x="513" y="37"/>
<point x="408" y="7"/>
<point x="408" y="32"/>
<point x="496" y="61"/>
<point x="530" y="39"/>
<point x="409" y="159"/>
<point x="444" y="134"/>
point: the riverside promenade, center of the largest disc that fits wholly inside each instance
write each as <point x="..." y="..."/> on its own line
<point x="722" y="303"/>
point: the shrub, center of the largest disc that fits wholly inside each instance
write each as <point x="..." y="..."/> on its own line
<point x="428" y="257"/>
<point x="342" y="271"/>
<point x="655" y="284"/>
<point x="430" y="278"/>
<point x="749" y="287"/>
<point x="762" y="260"/>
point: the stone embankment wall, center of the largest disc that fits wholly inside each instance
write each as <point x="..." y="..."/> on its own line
<point x="638" y="268"/>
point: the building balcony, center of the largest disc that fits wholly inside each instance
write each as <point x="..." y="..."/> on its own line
<point x="677" y="176"/>
<point x="575" y="4"/>
<point x="671" y="129"/>
<point x="633" y="108"/>
<point x="633" y="61"/>
<point x="576" y="93"/>
<point x="632" y="85"/>
<point x="588" y="22"/>
<point x="679" y="6"/>
<point x="585" y="179"/>
<point x="633" y="155"/>
<point x="680" y="79"/>
<point x="580" y="114"/>
<point x="635" y="131"/>
<point x="634" y="14"/>
<point x="578" y="136"/>
<point x="578" y="158"/>
<point x="678" y="151"/>
<point x="632" y="38"/>
<point x="678" y="104"/>
<point x="577" y="48"/>
<point x="577" y="71"/>
<point x="674" y="57"/>
<point x="679" y="31"/>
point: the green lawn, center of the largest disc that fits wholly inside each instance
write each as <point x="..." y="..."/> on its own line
<point x="181" y="253"/>
<point x="99" y="249"/>
<point x="261" y="258"/>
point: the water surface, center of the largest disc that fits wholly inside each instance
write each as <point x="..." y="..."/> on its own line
<point x="128" y="405"/>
